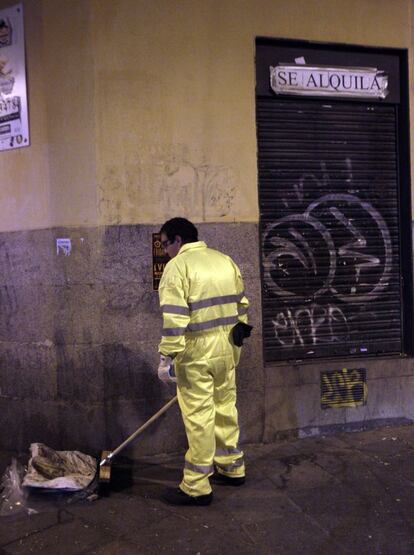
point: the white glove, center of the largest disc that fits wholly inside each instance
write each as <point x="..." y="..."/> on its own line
<point x="166" y="370"/>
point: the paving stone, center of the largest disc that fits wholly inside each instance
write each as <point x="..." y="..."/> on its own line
<point x="301" y="473"/>
<point x="120" y="513"/>
<point x="22" y="527"/>
<point x="186" y="536"/>
<point x="148" y="479"/>
<point x="367" y="481"/>
<point x="69" y="538"/>
<point x="338" y="463"/>
<point x="318" y="444"/>
<point x="119" y="547"/>
<point x="398" y="492"/>
<point x="404" y="433"/>
<point x="374" y="535"/>
<point x="403" y="464"/>
<point x="329" y="504"/>
<point x="274" y="470"/>
<point x="253" y="502"/>
<point x="292" y="536"/>
<point x="353" y="521"/>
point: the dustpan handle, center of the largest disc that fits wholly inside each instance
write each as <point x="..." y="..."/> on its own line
<point x="144" y="426"/>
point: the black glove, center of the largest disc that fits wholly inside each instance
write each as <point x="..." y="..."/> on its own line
<point x="240" y="332"/>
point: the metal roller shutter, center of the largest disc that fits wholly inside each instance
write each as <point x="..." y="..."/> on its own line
<point x="328" y="195"/>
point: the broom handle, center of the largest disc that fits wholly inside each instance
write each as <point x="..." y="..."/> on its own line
<point x="144" y="426"/>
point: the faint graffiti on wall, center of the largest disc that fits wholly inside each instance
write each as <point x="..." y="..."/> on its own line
<point x="157" y="181"/>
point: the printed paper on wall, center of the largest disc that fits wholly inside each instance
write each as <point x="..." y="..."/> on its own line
<point x="14" y="126"/>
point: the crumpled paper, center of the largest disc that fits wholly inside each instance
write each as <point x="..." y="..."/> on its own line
<point x="59" y="470"/>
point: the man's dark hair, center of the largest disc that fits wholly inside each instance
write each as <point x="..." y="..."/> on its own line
<point x="182" y="227"/>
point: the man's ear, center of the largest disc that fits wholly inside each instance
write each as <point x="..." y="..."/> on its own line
<point x="178" y="239"/>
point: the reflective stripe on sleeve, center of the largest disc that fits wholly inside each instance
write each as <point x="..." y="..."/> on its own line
<point x="213" y="323"/>
<point x="201" y="468"/>
<point x="243" y="310"/>
<point x="167" y="332"/>
<point x="175" y="309"/>
<point x="224" y="299"/>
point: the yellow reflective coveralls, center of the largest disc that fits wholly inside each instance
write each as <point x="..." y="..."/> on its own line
<point x="202" y="297"/>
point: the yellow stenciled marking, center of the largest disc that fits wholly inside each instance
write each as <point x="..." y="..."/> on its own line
<point x="328" y="394"/>
<point x="339" y="388"/>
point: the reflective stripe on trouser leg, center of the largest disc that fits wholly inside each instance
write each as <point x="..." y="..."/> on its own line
<point x="195" y="397"/>
<point x="228" y="457"/>
<point x="231" y="467"/>
<point x="196" y="478"/>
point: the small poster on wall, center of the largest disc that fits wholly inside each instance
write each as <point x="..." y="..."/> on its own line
<point x="14" y="123"/>
<point x="159" y="260"/>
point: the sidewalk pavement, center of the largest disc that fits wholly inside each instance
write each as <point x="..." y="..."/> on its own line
<point x="349" y="493"/>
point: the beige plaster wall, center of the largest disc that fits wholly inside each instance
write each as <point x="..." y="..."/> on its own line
<point x="175" y="97"/>
<point x="53" y="181"/>
<point x="141" y="110"/>
<point x="68" y="74"/>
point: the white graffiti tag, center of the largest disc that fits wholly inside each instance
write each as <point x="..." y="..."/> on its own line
<point x="338" y="250"/>
<point x="296" y="247"/>
<point x="303" y="326"/>
<point x="353" y="250"/>
<point x="301" y="240"/>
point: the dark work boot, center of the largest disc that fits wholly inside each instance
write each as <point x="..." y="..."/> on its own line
<point x="223" y="480"/>
<point x="176" y="496"/>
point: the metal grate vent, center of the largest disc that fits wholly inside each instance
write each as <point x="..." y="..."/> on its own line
<point x="328" y="194"/>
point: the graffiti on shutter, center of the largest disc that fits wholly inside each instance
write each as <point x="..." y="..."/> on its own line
<point x="328" y="191"/>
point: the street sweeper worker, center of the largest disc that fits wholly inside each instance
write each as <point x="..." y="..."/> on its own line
<point x="204" y="312"/>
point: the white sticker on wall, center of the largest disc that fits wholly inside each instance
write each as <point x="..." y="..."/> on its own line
<point x="63" y="246"/>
